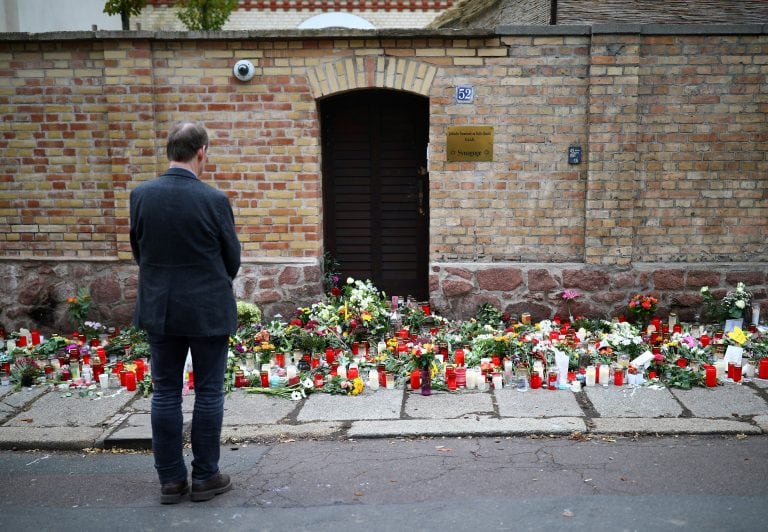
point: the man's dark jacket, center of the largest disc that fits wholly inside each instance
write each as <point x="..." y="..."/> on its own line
<point x="183" y="239"/>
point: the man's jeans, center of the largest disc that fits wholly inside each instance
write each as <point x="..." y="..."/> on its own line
<point x="209" y="362"/>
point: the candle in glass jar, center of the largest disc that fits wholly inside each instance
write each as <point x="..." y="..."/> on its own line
<point x="373" y="379"/>
<point x="341" y="371"/>
<point x="605" y="374"/>
<point x="590" y="376"/>
<point x="496" y="380"/>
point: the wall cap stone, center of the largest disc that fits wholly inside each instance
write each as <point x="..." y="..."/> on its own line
<point x="407" y="33"/>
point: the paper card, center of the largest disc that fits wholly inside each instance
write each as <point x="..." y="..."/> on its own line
<point x="733" y="354"/>
<point x="732" y="324"/>
<point x="643" y="360"/>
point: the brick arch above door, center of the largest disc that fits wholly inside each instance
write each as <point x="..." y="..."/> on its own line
<point x="371" y="72"/>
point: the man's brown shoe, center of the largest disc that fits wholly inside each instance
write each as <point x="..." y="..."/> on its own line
<point x="172" y="492"/>
<point x="216" y="485"/>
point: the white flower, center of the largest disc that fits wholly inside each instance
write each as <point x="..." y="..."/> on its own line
<point x="350" y="280"/>
<point x="307" y="383"/>
<point x="704" y="289"/>
<point x="295" y="395"/>
<point x="740" y="303"/>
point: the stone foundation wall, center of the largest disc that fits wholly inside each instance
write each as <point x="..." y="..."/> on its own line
<point x="34" y="294"/>
<point x="458" y="289"/>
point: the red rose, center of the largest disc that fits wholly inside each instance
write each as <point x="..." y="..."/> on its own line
<point x="335" y="291"/>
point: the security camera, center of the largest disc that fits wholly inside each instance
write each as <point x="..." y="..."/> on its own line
<point x="244" y="70"/>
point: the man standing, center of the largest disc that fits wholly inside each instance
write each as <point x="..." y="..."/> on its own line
<point x="183" y="239"/>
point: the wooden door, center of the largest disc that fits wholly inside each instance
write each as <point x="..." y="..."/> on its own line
<point x="375" y="188"/>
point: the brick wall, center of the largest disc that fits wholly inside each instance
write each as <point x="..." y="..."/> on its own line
<point x="671" y="194"/>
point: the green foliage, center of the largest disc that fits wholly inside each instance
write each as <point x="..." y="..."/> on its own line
<point x="124" y="8"/>
<point x="205" y="15"/>
<point x="487" y="314"/>
<point x="78" y="308"/>
<point x="247" y="313"/>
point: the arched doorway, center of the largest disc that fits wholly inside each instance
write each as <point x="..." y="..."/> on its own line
<point x="376" y="188"/>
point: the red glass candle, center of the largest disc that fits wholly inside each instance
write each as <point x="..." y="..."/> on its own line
<point x="710" y="373"/>
<point x="682" y="362"/>
<point x="329" y="355"/>
<point x="66" y="375"/>
<point x="651" y="374"/>
<point x="426" y="310"/>
<point x="86" y="358"/>
<point x="496" y="361"/>
<point x="318" y="380"/>
<point x="450" y="378"/>
<point x="536" y="381"/>
<point x="677" y="328"/>
<point x="762" y="369"/>
<point x="458" y="357"/>
<point x="415" y="379"/>
<point x="95" y="342"/>
<point x="737" y="373"/>
<point x="352" y="372"/>
<point x="355" y="348"/>
<point x="552" y="380"/>
<point x="618" y="377"/>
<point x="280" y="359"/>
<point x="731" y="365"/>
<point x="130" y="381"/>
<point x="124" y="378"/>
<point x="35" y="337"/>
<point x="21" y="341"/>
<point x="140" y="374"/>
<point x="704" y="340"/>
<point x="554" y="335"/>
<point x="461" y="377"/>
<point x="264" y="377"/>
<point x="191" y="381"/>
<point x="382" y="371"/>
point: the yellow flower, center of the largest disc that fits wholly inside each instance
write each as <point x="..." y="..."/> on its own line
<point x="357" y="386"/>
<point x="738" y="336"/>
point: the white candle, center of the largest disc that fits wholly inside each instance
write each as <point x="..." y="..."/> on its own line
<point x="497" y="381"/>
<point x="538" y="367"/>
<point x="590" y="376"/>
<point x="291" y="371"/>
<point x="470" y="379"/>
<point x="373" y="379"/>
<point x="605" y="373"/>
<point x="341" y="371"/>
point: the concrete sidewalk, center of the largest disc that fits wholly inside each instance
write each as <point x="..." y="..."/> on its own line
<point x="45" y="418"/>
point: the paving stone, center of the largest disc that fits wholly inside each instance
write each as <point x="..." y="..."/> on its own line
<point x="445" y="405"/>
<point x="760" y="383"/>
<point x="537" y="403"/>
<point x="630" y="425"/>
<point x="55" y="410"/>
<point x="465" y="427"/>
<point x="254" y="409"/>
<point x="625" y="401"/>
<point x="17" y="399"/>
<point x="762" y="422"/>
<point x="722" y="401"/>
<point x="53" y="438"/>
<point x="381" y="404"/>
<point x="318" y="429"/>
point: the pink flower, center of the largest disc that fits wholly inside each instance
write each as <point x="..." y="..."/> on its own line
<point x="570" y="294"/>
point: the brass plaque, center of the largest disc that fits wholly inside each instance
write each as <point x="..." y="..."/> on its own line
<point x="470" y="143"/>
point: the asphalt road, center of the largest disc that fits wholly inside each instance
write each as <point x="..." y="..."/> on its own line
<point x="646" y="483"/>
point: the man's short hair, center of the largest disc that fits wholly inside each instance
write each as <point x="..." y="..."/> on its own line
<point x="184" y="139"/>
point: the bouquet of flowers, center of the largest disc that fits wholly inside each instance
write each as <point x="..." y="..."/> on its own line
<point x="423" y="356"/>
<point x="732" y="306"/>
<point x="642" y="306"/>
